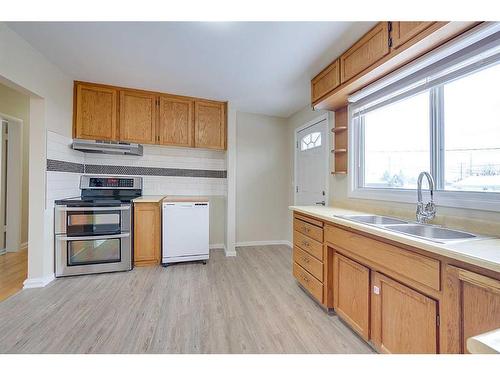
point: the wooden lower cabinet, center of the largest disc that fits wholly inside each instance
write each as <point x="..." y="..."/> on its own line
<point x="472" y="306"/>
<point x="403" y="320"/>
<point x="352" y="293"/>
<point x="309" y="282"/>
<point x="147" y="234"/>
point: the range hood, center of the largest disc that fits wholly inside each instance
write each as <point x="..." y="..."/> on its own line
<point x="107" y="147"/>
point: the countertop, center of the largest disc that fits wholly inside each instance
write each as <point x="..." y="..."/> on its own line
<point x="149" y="199"/>
<point x="487" y="343"/>
<point x="185" y="198"/>
<point x="482" y="252"/>
<point x="169" y="198"/>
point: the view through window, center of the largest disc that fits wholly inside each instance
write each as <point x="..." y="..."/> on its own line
<point x="452" y="131"/>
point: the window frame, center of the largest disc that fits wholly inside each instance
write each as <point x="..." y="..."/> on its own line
<point x="488" y="201"/>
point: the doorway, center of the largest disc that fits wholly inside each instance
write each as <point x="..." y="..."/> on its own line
<point x="311" y="163"/>
<point x="13" y="257"/>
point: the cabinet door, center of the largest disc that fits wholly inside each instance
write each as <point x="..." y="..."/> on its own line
<point x="403" y="320"/>
<point x="175" y="125"/>
<point x="147" y="229"/>
<point x="95" y="112"/>
<point x="210" y="125"/>
<point x="351" y="293"/>
<point x="471" y="306"/>
<point x="325" y="81"/>
<point x="365" y="52"/>
<point x="404" y="31"/>
<point x="137" y="117"/>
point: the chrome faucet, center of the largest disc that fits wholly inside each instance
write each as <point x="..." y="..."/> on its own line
<point x="428" y="211"/>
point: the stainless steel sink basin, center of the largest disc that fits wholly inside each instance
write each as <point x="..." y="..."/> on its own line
<point x="424" y="231"/>
<point x="373" y="219"/>
<point x="431" y="232"/>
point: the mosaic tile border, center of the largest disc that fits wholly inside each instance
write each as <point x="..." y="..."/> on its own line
<point x="63" y="166"/>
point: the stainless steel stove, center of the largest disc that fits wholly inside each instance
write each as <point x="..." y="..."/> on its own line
<point x="94" y="232"/>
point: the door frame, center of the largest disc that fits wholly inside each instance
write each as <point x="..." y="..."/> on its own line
<point x="14" y="183"/>
<point x="308" y="124"/>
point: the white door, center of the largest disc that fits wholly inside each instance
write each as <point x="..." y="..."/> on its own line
<point x="312" y="165"/>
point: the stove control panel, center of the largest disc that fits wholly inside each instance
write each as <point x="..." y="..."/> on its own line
<point x="89" y="182"/>
<point x="107" y="182"/>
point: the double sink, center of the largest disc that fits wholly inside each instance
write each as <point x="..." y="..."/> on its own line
<point x="425" y="231"/>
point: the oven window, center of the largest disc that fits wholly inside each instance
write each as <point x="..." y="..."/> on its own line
<point x="93" y="222"/>
<point x="93" y="251"/>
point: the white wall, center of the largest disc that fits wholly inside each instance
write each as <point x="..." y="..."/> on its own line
<point x="51" y="94"/>
<point x="262" y="175"/>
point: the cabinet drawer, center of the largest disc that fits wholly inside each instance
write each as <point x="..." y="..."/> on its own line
<point x="309" y="282"/>
<point x="390" y="259"/>
<point x="308" y="229"/>
<point x="309" y="245"/>
<point x="308" y="262"/>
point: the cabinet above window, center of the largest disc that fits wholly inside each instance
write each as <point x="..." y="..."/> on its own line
<point x="386" y="47"/>
<point x="109" y="113"/>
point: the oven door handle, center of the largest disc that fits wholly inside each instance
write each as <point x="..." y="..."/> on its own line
<point x="87" y="238"/>
<point x="66" y="208"/>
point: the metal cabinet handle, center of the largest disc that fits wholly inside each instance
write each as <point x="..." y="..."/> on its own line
<point x="88" y="238"/>
<point x="111" y="208"/>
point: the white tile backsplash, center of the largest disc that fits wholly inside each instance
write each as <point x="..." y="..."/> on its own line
<point x="65" y="184"/>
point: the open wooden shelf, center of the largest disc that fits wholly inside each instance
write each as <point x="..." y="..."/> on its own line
<point x="339" y="129"/>
<point x="340" y="132"/>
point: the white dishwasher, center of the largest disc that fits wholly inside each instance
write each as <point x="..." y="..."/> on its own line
<point x="184" y="231"/>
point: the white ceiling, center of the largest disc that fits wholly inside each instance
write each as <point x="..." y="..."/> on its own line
<point x="261" y="67"/>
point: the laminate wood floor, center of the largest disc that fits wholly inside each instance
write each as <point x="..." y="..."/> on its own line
<point x="13" y="269"/>
<point x="244" y="304"/>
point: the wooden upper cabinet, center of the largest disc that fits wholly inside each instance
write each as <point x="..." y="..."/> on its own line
<point x="137" y="117"/>
<point x="325" y="81"/>
<point x="403" y="320"/>
<point x="404" y="31"/>
<point x="351" y="291"/>
<point x="368" y="50"/>
<point x="471" y="307"/>
<point x="210" y="124"/>
<point x="175" y="121"/>
<point x="95" y="112"/>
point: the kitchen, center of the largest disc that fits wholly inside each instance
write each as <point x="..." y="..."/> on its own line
<point x="185" y="213"/>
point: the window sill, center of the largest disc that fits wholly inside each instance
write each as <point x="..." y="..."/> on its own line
<point x="455" y="199"/>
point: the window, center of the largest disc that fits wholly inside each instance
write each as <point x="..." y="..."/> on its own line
<point x="441" y="116"/>
<point x="310" y="140"/>
<point x="396" y="143"/>
<point x="472" y="132"/>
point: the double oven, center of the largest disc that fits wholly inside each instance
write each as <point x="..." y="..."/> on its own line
<point x="94" y="232"/>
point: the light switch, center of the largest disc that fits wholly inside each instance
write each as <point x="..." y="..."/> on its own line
<point x="376" y="289"/>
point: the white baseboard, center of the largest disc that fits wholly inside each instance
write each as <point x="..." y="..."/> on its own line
<point x="38" y="282"/>
<point x="263" y="243"/>
<point x="24" y="245"/>
<point x="216" y="246"/>
<point x="229" y="253"/>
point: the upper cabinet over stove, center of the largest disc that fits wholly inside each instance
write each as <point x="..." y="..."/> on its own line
<point x="110" y="113"/>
